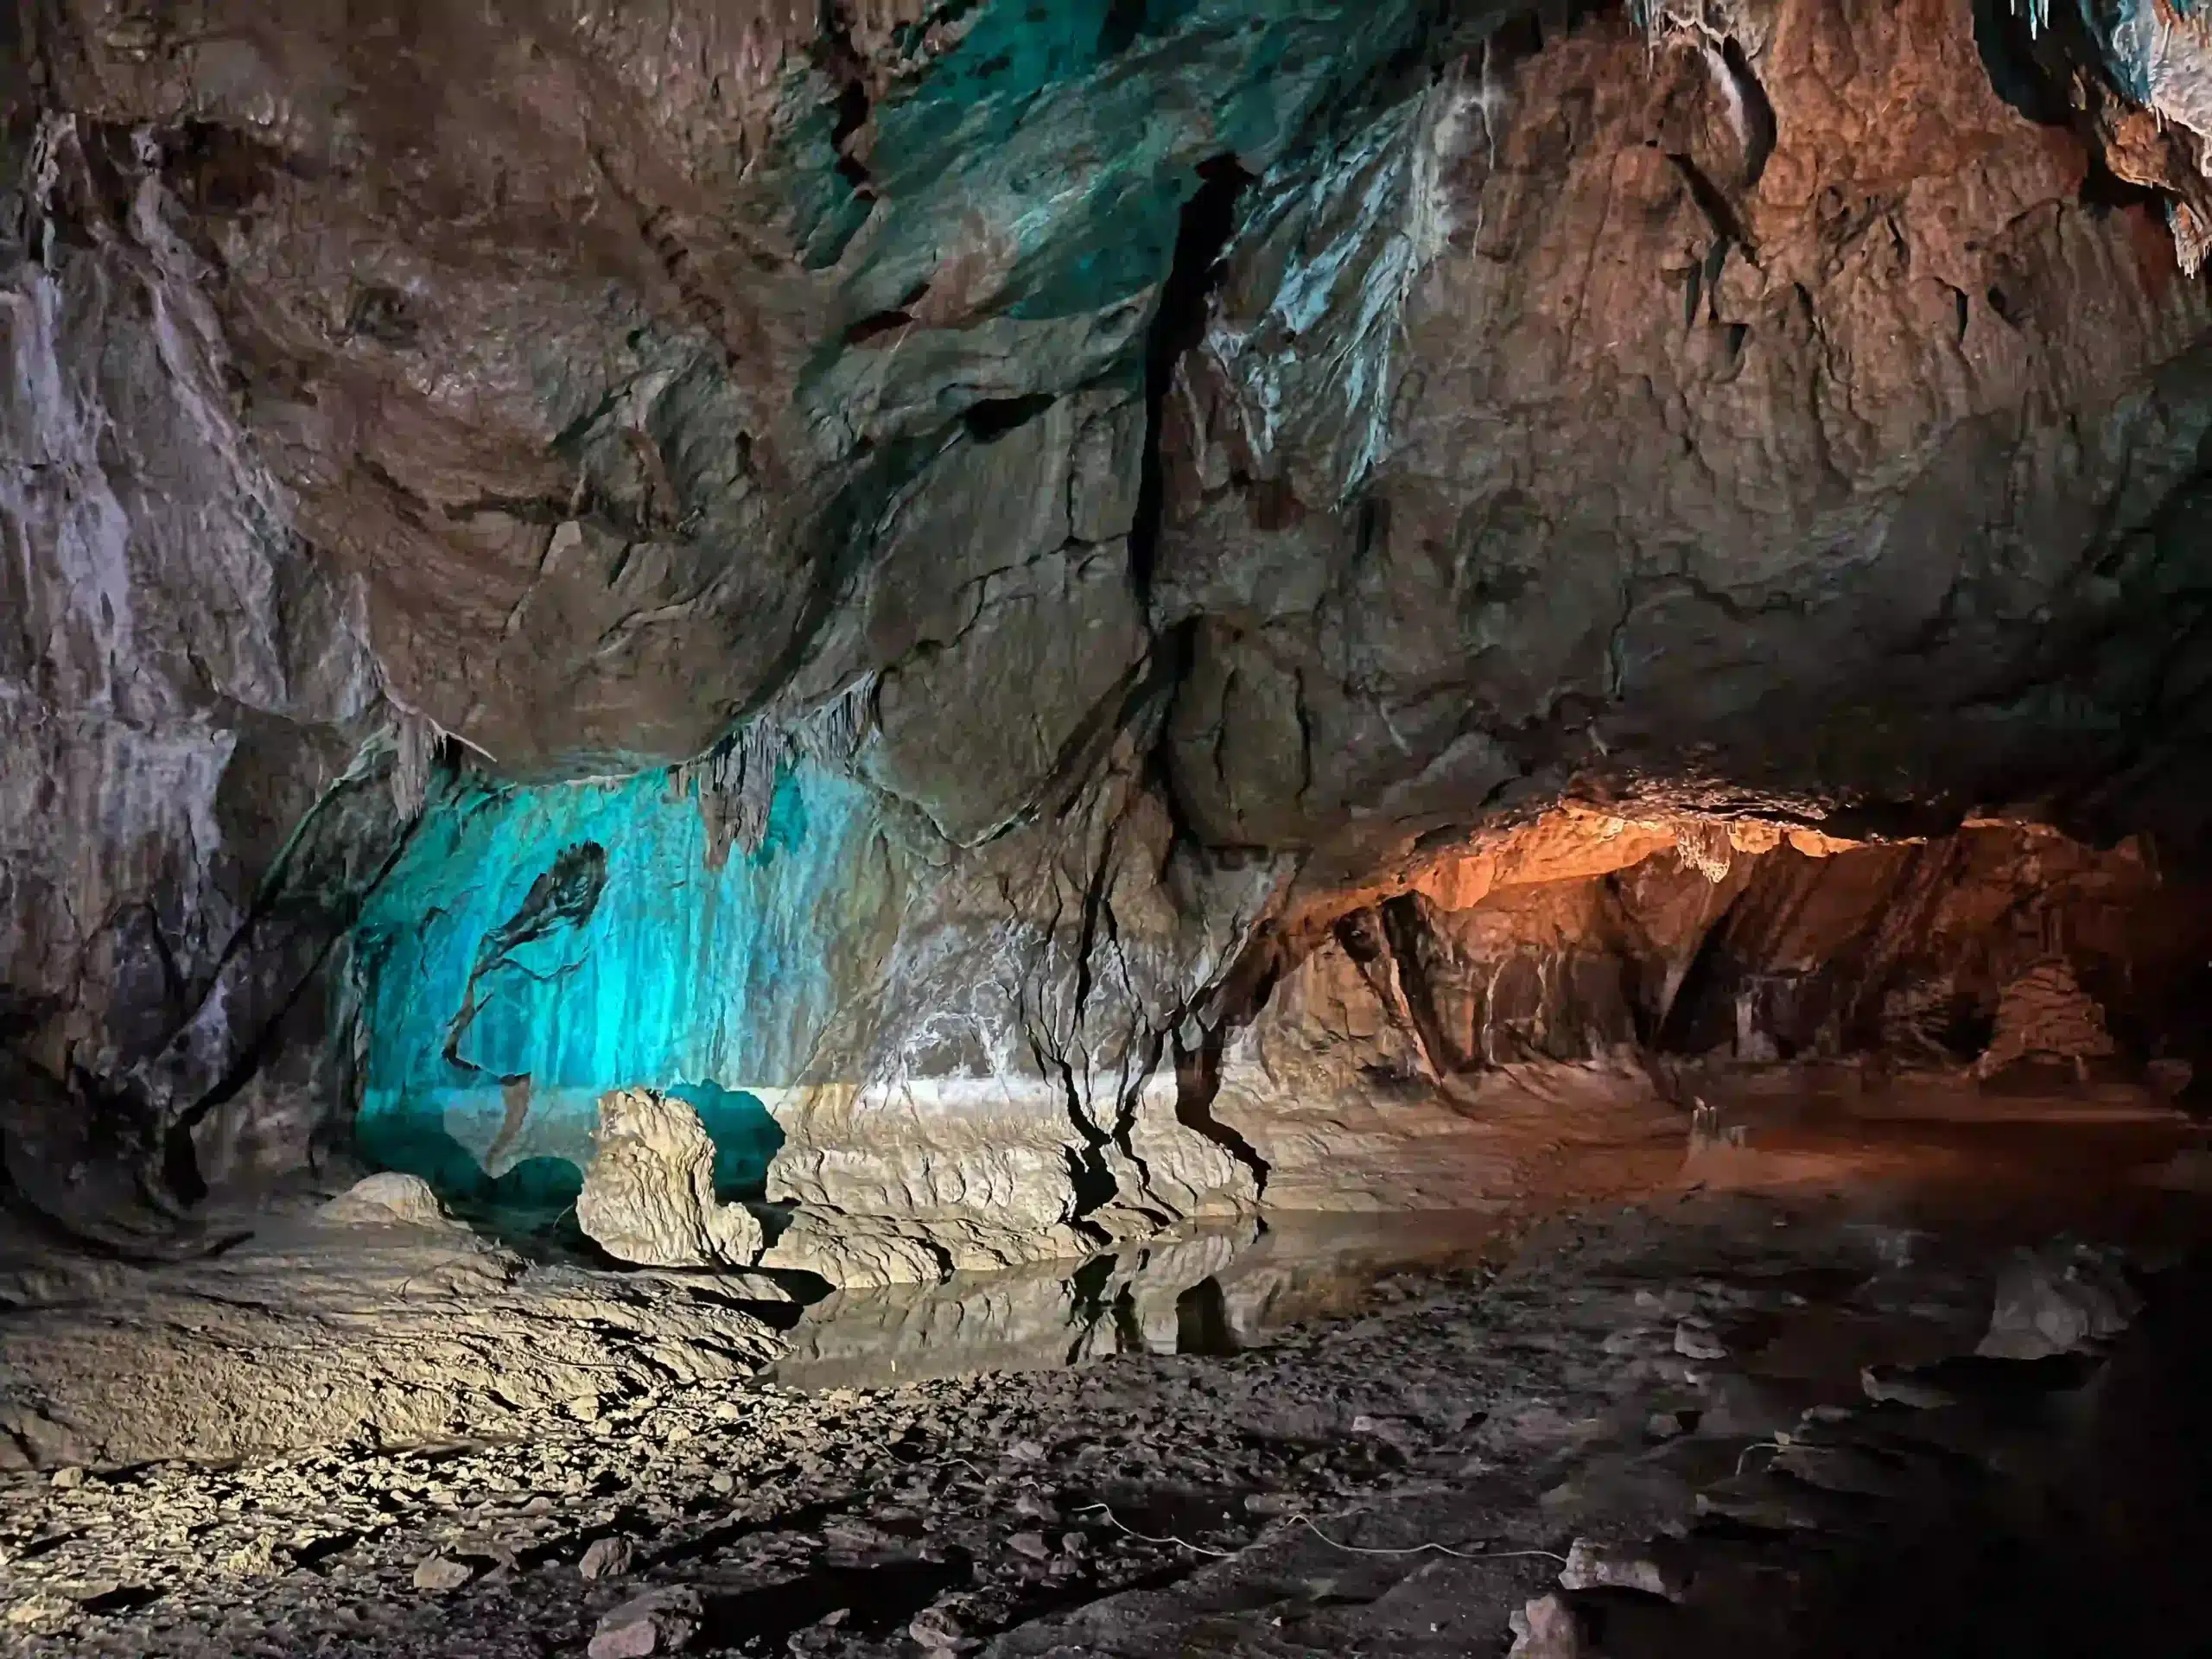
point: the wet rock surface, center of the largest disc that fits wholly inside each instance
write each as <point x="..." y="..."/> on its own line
<point x="315" y="1334"/>
<point x="1407" y="1479"/>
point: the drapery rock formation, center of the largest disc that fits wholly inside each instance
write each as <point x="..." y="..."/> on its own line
<point x="962" y="586"/>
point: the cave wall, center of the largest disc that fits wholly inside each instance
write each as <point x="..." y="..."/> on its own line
<point x="1790" y="412"/>
<point x="967" y="1056"/>
<point x="1763" y="952"/>
<point x="1407" y="1054"/>
<point x="992" y="519"/>
<point x="535" y="951"/>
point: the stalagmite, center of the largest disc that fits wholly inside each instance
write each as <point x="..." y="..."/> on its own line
<point x="649" y="1195"/>
<point x="2044" y="1014"/>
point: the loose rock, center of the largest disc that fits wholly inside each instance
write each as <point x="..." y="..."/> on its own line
<point x="1890" y="1385"/>
<point x="940" y="1632"/>
<point x="2056" y="1300"/>
<point x="439" y="1573"/>
<point x="1547" y="1629"/>
<point x="607" y="1558"/>
<point x="661" y="1621"/>
<point x="1592" y="1566"/>
<point x="1692" y="1342"/>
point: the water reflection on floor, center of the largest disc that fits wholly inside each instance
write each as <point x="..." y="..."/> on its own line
<point x="1214" y="1290"/>
<point x="1954" y="1150"/>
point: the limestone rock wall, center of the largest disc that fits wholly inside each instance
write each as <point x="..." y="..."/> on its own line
<point x="884" y="567"/>
<point x="1722" y="439"/>
<point x="184" y="687"/>
<point x="1378" y="1067"/>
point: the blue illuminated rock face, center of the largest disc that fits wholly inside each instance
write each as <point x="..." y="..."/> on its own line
<point x="537" y="947"/>
<point x="1042" y="163"/>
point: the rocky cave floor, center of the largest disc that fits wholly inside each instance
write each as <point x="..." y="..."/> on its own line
<point x="1741" y="1416"/>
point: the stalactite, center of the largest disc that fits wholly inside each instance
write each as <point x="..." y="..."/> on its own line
<point x="419" y="744"/>
<point x="1704" y="846"/>
<point x="736" y="779"/>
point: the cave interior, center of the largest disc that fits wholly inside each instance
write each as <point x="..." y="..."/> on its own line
<point x="1127" y="827"/>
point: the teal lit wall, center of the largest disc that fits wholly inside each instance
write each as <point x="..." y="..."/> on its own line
<point x="1073" y="132"/>
<point x="575" y="937"/>
<point x="538" y="946"/>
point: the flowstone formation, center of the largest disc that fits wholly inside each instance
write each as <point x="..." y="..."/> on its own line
<point x="387" y="1199"/>
<point x="649" y="1195"/>
<point x="905" y="573"/>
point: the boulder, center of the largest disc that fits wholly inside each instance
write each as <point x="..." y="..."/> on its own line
<point x="2056" y="1300"/>
<point x="388" y="1199"/>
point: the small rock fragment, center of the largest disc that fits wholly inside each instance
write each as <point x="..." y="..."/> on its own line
<point x="660" y="1621"/>
<point x="69" y="1479"/>
<point x="439" y="1573"/>
<point x="1692" y="1343"/>
<point x="255" y="1559"/>
<point x="1893" y="1385"/>
<point x="1547" y="1629"/>
<point x="607" y="1558"/>
<point x="1030" y="1544"/>
<point x="939" y="1631"/>
<point x="1592" y="1565"/>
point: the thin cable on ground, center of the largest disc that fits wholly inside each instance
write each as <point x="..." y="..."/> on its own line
<point x="1777" y="1445"/>
<point x="1440" y="1549"/>
<point x="1306" y="1521"/>
<point x="1145" y="1537"/>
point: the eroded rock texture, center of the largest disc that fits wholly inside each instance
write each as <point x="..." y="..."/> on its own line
<point x="1378" y="1070"/>
<point x="910" y="573"/>
<point x="649" y="1194"/>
